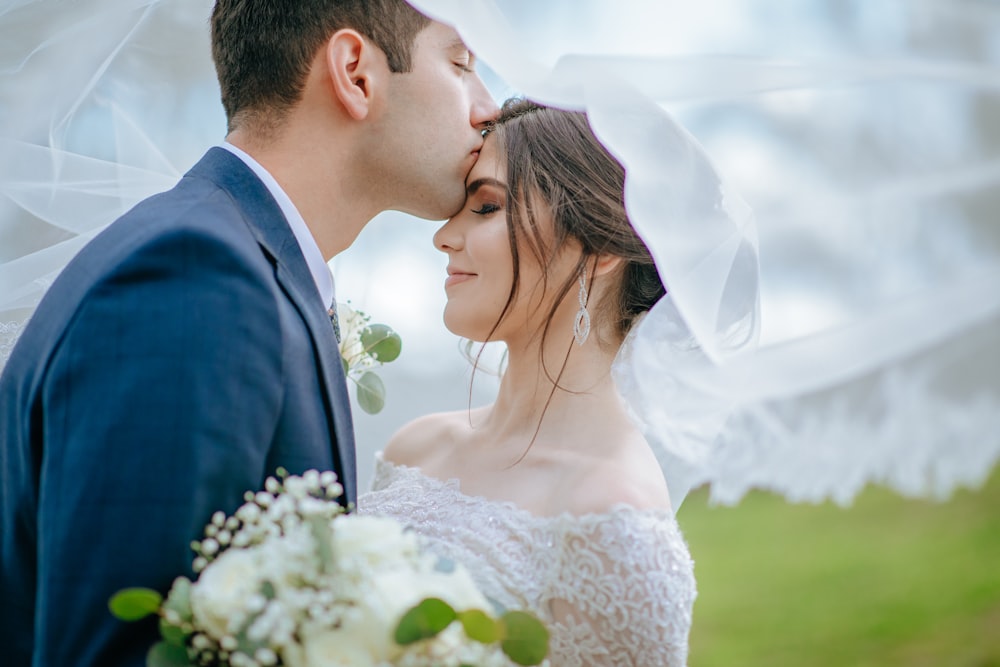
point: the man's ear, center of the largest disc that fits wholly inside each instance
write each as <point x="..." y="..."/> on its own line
<point x="352" y="65"/>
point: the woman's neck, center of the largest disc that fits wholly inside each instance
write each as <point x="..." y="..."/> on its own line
<point x="529" y="405"/>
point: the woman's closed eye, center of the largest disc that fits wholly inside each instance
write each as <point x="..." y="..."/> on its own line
<point x="486" y="208"/>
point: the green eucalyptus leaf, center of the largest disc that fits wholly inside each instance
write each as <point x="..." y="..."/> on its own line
<point x="347" y="366"/>
<point x="479" y="626"/>
<point x="132" y="604"/>
<point x="371" y="393"/>
<point x="424" y="621"/>
<point x="167" y="655"/>
<point x="381" y="342"/>
<point x="525" y="639"/>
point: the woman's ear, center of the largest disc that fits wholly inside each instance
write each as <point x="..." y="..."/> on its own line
<point x="605" y="264"/>
<point x="352" y="63"/>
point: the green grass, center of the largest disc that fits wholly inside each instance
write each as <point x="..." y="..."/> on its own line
<point x="886" y="582"/>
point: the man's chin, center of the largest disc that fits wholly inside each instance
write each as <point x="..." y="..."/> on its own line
<point x="438" y="210"/>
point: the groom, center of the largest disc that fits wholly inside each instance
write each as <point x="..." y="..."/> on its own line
<point x="187" y="352"/>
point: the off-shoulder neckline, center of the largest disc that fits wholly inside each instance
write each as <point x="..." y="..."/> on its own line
<point x="453" y="484"/>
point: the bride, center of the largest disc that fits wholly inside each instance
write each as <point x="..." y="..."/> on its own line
<point x="550" y="496"/>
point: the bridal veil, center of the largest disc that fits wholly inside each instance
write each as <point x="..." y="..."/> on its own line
<point x="821" y="206"/>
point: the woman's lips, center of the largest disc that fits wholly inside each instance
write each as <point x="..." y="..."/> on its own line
<point x="458" y="277"/>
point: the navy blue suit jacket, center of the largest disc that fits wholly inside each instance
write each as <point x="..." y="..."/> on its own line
<point x="178" y="360"/>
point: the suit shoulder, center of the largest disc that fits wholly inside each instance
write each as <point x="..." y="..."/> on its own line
<point x="417" y="440"/>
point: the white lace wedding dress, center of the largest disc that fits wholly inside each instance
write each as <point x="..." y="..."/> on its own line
<point x="614" y="588"/>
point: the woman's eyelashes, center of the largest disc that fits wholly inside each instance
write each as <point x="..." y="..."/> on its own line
<point x="486" y="208"/>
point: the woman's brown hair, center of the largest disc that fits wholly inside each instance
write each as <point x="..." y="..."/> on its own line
<point x="554" y="159"/>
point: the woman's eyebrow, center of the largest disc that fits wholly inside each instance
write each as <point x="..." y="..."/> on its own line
<point x="474" y="186"/>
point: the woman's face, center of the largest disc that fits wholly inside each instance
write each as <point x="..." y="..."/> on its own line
<point x="480" y="265"/>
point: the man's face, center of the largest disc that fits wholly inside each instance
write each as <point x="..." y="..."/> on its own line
<point x="428" y="137"/>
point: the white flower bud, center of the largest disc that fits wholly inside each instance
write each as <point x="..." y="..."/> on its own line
<point x="200" y="642"/>
<point x="209" y="547"/>
<point x="224" y="538"/>
<point x="219" y="518"/>
<point x="248" y="513"/>
<point x="311" y="479"/>
<point x="327" y="478"/>
<point x="271" y="485"/>
<point x="266" y="657"/>
<point x="263" y="499"/>
<point x="256" y="603"/>
<point x="229" y="643"/>
<point x="200" y="563"/>
<point x="211" y="530"/>
<point x="296" y="487"/>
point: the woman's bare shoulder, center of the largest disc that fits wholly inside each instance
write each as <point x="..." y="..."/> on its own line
<point x="425" y="436"/>
<point x="631" y="476"/>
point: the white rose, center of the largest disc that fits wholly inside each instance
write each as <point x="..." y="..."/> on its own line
<point x="220" y="594"/>
<point x="377" y="541"/>
<point x="326" y="647"/>
<point x="391" y="594"/>
<point x="456" y="588"/>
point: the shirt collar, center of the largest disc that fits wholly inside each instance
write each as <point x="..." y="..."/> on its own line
<point x="310" y="250"/>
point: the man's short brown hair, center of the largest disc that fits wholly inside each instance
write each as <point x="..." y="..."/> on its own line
<point x="263" y="48"/>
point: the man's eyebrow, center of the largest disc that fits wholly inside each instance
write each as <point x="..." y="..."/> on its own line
<point x="458" y="45"/>
<point x="474" y="186"/>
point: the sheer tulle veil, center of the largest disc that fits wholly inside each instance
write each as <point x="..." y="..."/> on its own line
<point x="842" y="333"/>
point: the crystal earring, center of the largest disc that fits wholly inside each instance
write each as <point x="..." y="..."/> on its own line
<point x="581" y="325"/>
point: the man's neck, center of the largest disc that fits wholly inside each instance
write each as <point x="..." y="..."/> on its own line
<point x="321" y="185"/>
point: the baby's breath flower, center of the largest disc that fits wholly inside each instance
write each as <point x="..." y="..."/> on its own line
<point x="266" y="657"/>
<point x="209" y="547"/>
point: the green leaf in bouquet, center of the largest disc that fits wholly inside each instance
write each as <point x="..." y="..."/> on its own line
<point x="132" y="604"/>
<point x="424" y="621"/>
<point x="172" y="634"/>
<point x="167" y="655"/>
<point x="322" y="534"/>
<point x="525" y="640"/>
<point x="381" y="342"/>
<point x="346" y="365"/>
<point x="371" y="393"/>
<point x="479" y="626"/>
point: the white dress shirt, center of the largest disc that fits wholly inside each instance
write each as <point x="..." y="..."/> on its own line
<point x="310" y="250"/>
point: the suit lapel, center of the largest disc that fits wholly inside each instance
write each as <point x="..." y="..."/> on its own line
<point x="268" y="224"/>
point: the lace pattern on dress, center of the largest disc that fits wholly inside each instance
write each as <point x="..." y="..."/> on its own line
<point x="9" y="333"/>
<point x="614" y="588"/>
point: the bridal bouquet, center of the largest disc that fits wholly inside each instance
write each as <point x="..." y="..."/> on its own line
<point x="292" y="580"/>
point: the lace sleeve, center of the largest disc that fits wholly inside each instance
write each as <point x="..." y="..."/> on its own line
<point x="622" y="591"/>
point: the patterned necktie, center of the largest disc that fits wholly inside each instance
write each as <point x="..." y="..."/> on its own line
<point x="335" y="321"/>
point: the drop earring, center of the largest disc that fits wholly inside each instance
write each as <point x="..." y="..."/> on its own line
<point x="581" y="325"/>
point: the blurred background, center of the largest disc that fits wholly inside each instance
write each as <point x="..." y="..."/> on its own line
<point x="874" y="173"/>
